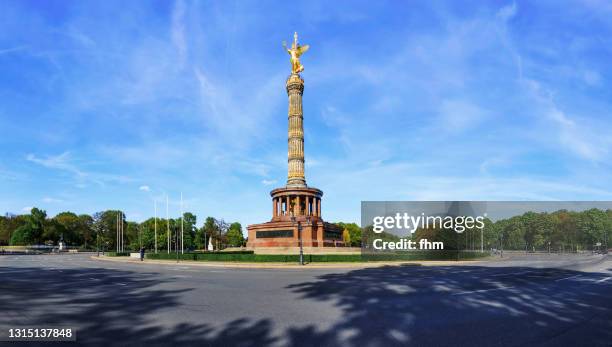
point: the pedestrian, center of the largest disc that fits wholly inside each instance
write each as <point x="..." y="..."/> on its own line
<point x="142" y="251"/>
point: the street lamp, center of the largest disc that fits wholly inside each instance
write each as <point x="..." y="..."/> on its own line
<point x="98" y="242"/>
<point x="299" y="228"/>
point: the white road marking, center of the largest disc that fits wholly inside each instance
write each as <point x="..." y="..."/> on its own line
<point x="512" y="273"/>
<point x="603" y="280"/>
<point x="482" y="290"/>
<point x="566" y="278"/>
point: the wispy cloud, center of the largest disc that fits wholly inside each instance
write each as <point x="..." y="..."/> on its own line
<point x="145" y="188"/>
<point x="178" y="30"/>
<point x="12" y="49"/>
<point x="50" y="200"/>
<point x="459" y="115"/>
<point x="65" y="163"/>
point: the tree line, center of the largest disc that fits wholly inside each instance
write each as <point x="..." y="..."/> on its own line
<point x="99" y="231"/>
<point x="559" y="231"/>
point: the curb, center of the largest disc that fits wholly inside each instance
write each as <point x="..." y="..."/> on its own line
<point x="239" y="265"/>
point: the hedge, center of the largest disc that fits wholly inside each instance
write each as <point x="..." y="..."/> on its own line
<point x="424" y="255"/>
<point x="224" y="252"/>
<point x="316" y="258"/>
<point x="117" y="254"/>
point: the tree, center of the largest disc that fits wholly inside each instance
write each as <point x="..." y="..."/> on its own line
<point x="209" y="230"/>
<point x="189" y="230"/>
<point x="31" y="231"/>
<point x="98" y="229"/>
<point x="4" y="230"/>
<point x="8" y="224"/>
<point x="199" y="238"/>
<point x="346" y="237"/>
<point x="107" y="228"/>
<point x="68" y="225"/>
<point x="234" y="235"/>
<point x="85" y="230"/>
<point x="354" y="232"/>
<point x="24" y="235"/>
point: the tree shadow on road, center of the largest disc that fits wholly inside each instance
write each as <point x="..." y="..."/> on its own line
<point x="461" y="305"/>
<point x="111" y="307"/>
<point x="452" y="305"/>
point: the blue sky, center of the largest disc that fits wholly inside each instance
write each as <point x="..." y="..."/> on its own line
<point x="113" y="104"/>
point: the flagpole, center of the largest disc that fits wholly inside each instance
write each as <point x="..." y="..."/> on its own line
<point x="155" y="205"/>
<point x="167" y="224"/>
<point x="182" y="217"/>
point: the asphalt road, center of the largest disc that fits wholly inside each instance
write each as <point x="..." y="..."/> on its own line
<point x="549" y="300"/>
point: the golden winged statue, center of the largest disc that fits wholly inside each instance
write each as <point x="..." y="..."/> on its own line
<point x="295" y="52"/>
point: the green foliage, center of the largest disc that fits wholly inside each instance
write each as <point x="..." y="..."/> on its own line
<point x="562" y="230"/>
<point x="234" y="235"/>
<point x="117" y="254"/>
<point x="23" y="235"/>
<point x="346" y="237"/>
<point x="424" y="255"/>
<point x="559" y="231"/>
<point x="354" y="233"/>
<point x="318" y="258"/>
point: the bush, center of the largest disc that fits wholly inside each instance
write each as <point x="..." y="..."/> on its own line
<point x="225" y="252"/>
<point x="317" y="258"/>
<point x="423" y="255"/>
<point x="117" y="254"/>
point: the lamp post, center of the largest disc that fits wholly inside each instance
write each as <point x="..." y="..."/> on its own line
<point x="299" y="228"/>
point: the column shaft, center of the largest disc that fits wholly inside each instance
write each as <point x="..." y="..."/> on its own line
<point x="298" y="206"/>
<point x="295" y="162"/>
<point x="273" y="207"/>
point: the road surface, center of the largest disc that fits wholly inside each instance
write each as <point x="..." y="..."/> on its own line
<point x="549" y="300"/>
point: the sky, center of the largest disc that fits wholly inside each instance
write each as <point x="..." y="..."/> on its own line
<point x="118" y="104"/>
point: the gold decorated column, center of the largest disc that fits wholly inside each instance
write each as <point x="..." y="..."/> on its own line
<point x="295" y="175"/>
<point x="295" y="89"/>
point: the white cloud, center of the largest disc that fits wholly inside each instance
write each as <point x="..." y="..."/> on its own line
<point x="27" y="209"/>
<point x="579" y="137"/>
<point x="145" y="188"/>
<point x="507" y="12"/>
<point x="458" y="115"/>
<point x="268" y="182"/>
<point x="178" y="30"/>
<point x="60" y="162"/>
<point x="64" y="162"/>
<point x="50" y="200"/>
<point x="12" y="49"/>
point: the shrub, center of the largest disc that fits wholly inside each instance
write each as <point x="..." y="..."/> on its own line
<point x="317" y="258"/>
<point x="117" y="254"/>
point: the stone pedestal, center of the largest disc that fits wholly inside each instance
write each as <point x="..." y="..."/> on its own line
<point x="294" y="208"/>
